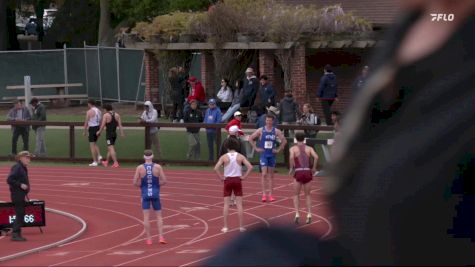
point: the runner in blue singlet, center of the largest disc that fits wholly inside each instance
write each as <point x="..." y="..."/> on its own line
<point x="150" y="178"/>
<point x="268" y="136"/>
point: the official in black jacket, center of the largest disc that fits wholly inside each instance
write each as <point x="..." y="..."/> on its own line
<point x="19" y="188"/>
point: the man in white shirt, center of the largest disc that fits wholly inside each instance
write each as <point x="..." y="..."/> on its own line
<point x="232" y="177"/>
<point x="150" y="115"/>
<point x="91" y="126"/>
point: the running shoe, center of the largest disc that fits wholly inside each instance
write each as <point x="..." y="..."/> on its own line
<point x="264" y="198"/>
<point x="309" y="219"/>
<point x="93" y="164"/>
<point x="115" y="165"/>
<point x="296" y="219"/>
<point x="271" y="198"/>
<point x="224" y="230"/>
<point x="100" y="158"/>
<point x="148" y="241"/>
<point x="105" y="163"/>
<point x="162" y="240"/>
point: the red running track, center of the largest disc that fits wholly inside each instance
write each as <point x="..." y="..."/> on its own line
<point x="110" y="205"/>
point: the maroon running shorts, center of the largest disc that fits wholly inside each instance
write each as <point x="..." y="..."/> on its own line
<point x="232" y="184"/>
<point x="304" y="176"/>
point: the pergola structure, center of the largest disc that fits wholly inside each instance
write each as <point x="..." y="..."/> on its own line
<point x="266" y="62"/>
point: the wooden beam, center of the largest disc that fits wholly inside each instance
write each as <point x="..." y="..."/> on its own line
<point x="37" y="86"/>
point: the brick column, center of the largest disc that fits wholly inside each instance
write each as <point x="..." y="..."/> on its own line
<point x="266" y="64"/>
<point x="151" y="77"/>
<point x="299" y="75"/>
<point x="207" y="73"/>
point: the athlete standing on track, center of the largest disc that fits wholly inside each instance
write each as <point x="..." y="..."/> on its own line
<point x="299" y="161"/>
<point x="91" y="125"/>
<point x="267" y="142"/>
<point x="232" y="162"/>
<point x="111" y="120"/>
<point x="150" y="178"/>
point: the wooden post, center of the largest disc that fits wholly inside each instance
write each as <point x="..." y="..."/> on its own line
<point x="147" y="137"/>
<point x="72" y="140"/>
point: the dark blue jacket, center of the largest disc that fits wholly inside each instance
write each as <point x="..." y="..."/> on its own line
<point x="18" y="175"/>
<point x="249" y="91"/>
<point x="328" y="88"/>
<point x="267" y="94"/>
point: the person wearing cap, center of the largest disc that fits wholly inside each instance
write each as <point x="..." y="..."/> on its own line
<point x="91" y="126"/>
<point x="150" y="115"/>
<point x="212" y="115"/>
<point x="19" y="113"/>
<point x="197" y="93"/>
<point x="234" y="132"/>
<point x="236" y="121"/>
<point x="193" y="115"/>
<point x="274" y="111"/>
<point x="39" y="114"/>
<point x="250" y="88"/>
<point x="150" y="178"/>
<point x="267" y="147"/>
<point x="19" y="185"/>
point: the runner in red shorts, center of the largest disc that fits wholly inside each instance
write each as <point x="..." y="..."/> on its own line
<point x="232" y="162"/>
<point x="299" y="161"/>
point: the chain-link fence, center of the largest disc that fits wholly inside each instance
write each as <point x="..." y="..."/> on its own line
<point x="106" y="73"/>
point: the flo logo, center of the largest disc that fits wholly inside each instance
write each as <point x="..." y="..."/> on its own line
<point x="442" y="17"/>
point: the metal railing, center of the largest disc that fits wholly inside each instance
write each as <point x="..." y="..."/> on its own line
<point x="72" y="126"/>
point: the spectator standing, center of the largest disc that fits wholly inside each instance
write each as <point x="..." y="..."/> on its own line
<point x="288" y="111"/>
<point x="177" y="94"/>
<point x="328" y="92"/>
<point x="39" y="114"/>
<point x="212" y="115"/>
<point x="267" y="92"/>
<point x="225" y="93"/>
<point x="150" y="115"/>
<point x="19" y="185"/>
<point x="236" y="103"/>
<point x="309" y="118"/>
<point x="360" y="80"/>
<point x="250" y="88"/>
<point x="193" y="115"/>
<point x="183" y="81"/>
<point x="19" y="113"/>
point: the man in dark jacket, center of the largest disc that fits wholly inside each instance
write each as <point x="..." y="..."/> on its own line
<point x="267" y="92"/>
<point x="249" y="91"/>
<point x="39" y="114"/>
<point x="19" y="113"/>
<point x="328" y="92"/>
<point x="288" y="111"/>
<point x="177" y="94"/>
<point x="193" y="115"/>
<point x="19" y="188"/>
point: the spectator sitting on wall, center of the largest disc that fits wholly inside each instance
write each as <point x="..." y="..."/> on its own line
<point x="309" y="118"/>
<point x="236" y="104"/>
<point x="236" y="121"/>
<point x="225" y="93"/>
<point x="197" y="93"/>
<point x="267" y="92"/>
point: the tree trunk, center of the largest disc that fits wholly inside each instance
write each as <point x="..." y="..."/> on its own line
<point x="3" y="25"/>
<point x="106" y="34"/>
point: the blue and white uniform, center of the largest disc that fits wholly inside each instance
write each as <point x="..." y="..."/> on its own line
<point x="150" y="188"/>
<point x="268" y="143"/>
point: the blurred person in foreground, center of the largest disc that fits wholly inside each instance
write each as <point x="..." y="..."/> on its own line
<point x="401" y="185"/>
